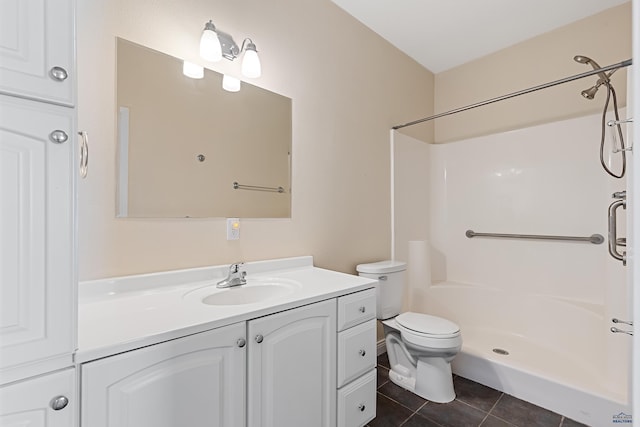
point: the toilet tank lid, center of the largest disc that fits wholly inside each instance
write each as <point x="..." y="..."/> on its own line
<point x="382" y="267"/>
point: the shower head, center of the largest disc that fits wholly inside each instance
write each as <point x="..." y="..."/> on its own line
<point x="604" y="78"/>
<point x="590" y="93"/>
<point x="586" y="60"/>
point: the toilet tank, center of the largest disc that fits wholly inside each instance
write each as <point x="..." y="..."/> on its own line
<point x="390" y="287"/>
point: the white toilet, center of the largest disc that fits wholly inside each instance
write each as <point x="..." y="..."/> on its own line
<point x="420" y="347"/>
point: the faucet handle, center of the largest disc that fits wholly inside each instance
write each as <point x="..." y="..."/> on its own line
<point x="235" y="267"/>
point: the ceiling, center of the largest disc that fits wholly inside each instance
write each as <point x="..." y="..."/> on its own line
<point x="437" y="35"/>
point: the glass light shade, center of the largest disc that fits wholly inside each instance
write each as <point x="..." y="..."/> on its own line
<point x="192" y="70"/>
<point x="251" y="64"/>
<point x="230" y="84"/>
<point x="210" y="48"/>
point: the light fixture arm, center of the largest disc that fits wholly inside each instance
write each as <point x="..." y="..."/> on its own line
<point x="248" y="46"/>
<point x="230" y="49"/>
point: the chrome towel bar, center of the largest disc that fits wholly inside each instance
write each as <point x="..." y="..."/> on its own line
<point x="237" y="186"/>
<point x="596" y="239"/>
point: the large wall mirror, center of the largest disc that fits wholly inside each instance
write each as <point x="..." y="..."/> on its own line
<point x="183" y="143"/>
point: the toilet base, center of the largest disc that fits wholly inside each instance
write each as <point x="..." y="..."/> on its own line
<point x="434" y="380"/>
<point x="408" y="383"/>
<point x="426" y="373"/>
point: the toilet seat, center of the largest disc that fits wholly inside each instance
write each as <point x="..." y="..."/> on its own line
<point x="431" y="326"/>
<point x="429" y="332"/>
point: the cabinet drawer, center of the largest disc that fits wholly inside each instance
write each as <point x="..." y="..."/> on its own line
<point x="31" y="402"/>
<point x="357" y="401"/>
<point x="356" y="308"/>
<point x="356" y="351"/>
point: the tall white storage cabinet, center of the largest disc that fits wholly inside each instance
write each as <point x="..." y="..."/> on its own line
<point x="37" y="236"/>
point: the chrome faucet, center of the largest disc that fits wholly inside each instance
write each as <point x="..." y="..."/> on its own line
<point x="236" y="277"/>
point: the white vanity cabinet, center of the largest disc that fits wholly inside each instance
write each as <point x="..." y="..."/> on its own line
<point x="37" y="58"/>
<point x="38" y="302"/>
<point x="356" y="359"/>
<point x="48" y="400"/>
<point x="280" y="362"/>
<point x="291" y="367"/>
<point x="195" y="381"/>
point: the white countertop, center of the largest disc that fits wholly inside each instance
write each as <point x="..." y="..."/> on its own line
<point x="124" y="313"/>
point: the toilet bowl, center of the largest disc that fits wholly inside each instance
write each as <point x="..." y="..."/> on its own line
<point x="420" y="347"/>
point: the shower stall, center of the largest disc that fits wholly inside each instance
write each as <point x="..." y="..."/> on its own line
<point x="519" y="235"/>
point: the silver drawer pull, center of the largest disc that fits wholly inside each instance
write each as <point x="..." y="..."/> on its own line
<point x="58" y="136"/>
<point x="58" y="73"/>
<point x="362" y="309"/>
<point x="241" y="342"/>
<point x="59" y="402"/>
<point x="259" y="338"/>
<point x="362" y="352"/>
<point x="362" y="407"/>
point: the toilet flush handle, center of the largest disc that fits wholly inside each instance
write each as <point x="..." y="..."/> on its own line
<point x="382" y="278"/>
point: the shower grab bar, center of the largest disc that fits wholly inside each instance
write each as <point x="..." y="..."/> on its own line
<point x="237" y="186"/>
<point x="615" y="241"/>
<point x="596" y="239"/>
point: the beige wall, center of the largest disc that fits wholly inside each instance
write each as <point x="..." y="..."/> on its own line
<point x="348" y="88"/>
<point x="605" y="37"/>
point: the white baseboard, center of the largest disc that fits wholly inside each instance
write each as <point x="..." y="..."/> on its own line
<point x="381" y="347"/>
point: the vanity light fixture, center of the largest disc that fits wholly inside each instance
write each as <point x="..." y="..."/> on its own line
<point x="210" y="46"/>
<point x="216" y="44"/>
<point x="230" y="83"/>
<point x="192" y="70"/>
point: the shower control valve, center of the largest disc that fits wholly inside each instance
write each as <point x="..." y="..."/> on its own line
<point x="620" y="195"/>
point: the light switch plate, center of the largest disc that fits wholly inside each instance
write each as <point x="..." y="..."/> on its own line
<point x="233" y="228"/>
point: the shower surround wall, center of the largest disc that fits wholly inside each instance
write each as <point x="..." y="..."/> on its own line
<point x="544" y="298"/>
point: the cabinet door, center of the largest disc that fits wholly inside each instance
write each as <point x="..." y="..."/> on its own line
<point x="37" y="280"/>
<point x="46" y="401"/>
<point x="196" y="381"/>
<point x="37" y="49"/>
<point x="292" y="369"/>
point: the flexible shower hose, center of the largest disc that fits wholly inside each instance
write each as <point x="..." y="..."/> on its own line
<point x="611" y="92"/>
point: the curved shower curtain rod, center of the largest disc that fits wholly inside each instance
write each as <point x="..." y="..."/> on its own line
<point x="518" y="93"/>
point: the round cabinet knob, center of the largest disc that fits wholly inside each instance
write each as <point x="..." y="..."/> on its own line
<point x="241" y="342"/>
<point x="362" y="352"/>
<point x="362" y="407"/>
<point x="58" y="403"/>
<point x="259" y="338"/>
<point x="58" y="136"/>
<point x="58" y="73"/>
<point x="362" y="309"/>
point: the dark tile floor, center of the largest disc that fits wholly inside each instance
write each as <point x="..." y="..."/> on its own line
<point x="475" y="405"/>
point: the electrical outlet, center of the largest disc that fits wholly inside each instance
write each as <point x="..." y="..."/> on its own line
<point x="233" y="228"/>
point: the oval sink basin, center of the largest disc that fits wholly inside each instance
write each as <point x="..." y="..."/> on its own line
<point x="254" y="291"/>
